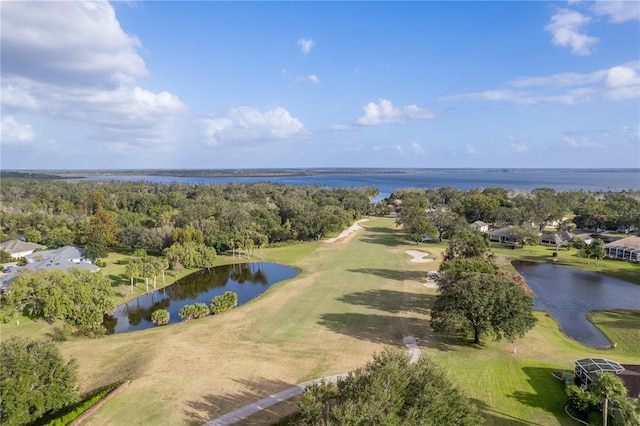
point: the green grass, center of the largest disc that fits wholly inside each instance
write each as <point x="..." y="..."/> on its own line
<point x="626" y="271"/>
<point x="621" y="327"/>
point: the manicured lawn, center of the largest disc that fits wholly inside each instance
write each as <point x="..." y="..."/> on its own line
<point x="352" y="298"/>
<point x="569" y="257"/>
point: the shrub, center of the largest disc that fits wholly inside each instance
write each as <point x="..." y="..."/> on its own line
<point x="160" y="317"/>
<point x="224" y="302"/>
<point x="122" y="261"/>
<point x="581" y="400"/>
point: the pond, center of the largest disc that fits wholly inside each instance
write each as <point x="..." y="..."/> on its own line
<point x="567" y="294"/>
<point x="247" y="280"/>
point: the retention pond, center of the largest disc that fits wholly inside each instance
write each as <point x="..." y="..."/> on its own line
<point x="247" y="280"/>
<point x="568" y="294"/>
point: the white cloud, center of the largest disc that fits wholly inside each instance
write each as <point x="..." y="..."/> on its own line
<point x="341" y="127"/>
<point x="618" y="11"/>
<point x="616" y="83"/>
<point x="72" y="61"/>
<point x="311" y="78"/>
<point x="306" y="45"/>
<point x="471" y="150"/>
<point x="12" y="132"/>
<point x="583" y="142"/>
<point x="560" y="80"/>
<point x="68" y="43"/>
<point x="385" y="113"/>
<point x="417" y="148"/>
<point x="516" y="145"/>
<point x="250" y="124"/>
<point x="566" y="27"/>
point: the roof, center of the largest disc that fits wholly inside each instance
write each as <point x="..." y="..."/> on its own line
<point x="62" y="259"/>
<point x="563" y="236"/>
<point x="629" y="242"/>
<point x="631" y="378"/>
<point x="599" y="365"/>
<point x="17" y="246"/>
<point x="502" y="232"/>
<point x="480" y="223"/>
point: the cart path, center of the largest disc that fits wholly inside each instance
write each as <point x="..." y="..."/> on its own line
<point x="255" y="407"/>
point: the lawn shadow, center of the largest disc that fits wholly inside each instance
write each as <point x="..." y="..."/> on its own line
<point x="391" y="301"/>
<point x="384" y="236"/>
<point x="385" y="329"/>
<point x="493" y="417"/>
<point x="211" y="406"/>
<point x="548" y="392"/>
<point x="393" y="274"/>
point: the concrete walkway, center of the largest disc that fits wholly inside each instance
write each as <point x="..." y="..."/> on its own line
<point x="255" y="407"/>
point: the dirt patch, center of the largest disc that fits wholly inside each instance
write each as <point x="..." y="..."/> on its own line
<point x="419" y="256"/>
<point x="355" y="227"/>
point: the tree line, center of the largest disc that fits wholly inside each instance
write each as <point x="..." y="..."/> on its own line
<point x="229" y="217"/>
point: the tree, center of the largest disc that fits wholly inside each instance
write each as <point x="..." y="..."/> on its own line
<point x="468" y="243"/>
<point x="579" y="245"/>
<point x="100" y="233"/>
<point x="524" y="235"/>
<point x="78" y="296"/>
<point x="445" y="222"/>
<point x="33" y="236"/>
<point x="483" y="305"/>
<point x="60" y="236"/>
<point x="607" y="386"/>
<point x="389" y="391"/>
<point x="597" y="250"/>
<point x="34" y="380"/>
<point x="160" y="317"/>
<point x="224" y="302"/>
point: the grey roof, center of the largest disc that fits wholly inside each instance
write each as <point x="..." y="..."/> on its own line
<point x="17" y="246"/>
<point x="502" y="232"/>
<point x="632" y="242"/>
<point x="63" y="258"/>
<point x="599" y="365"/>
<point x="557" y="236"/>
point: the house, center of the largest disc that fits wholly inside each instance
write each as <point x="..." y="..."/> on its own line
<point x="502" y="235"/>
<point x="480" y="226"/>
<point x="556" y="239"/>
<point x="18" y="249"/>
<point x="63" y="258"/>
<point x="627" y="249"/>
<point x="587" y="238"/>
<point x="587" y="369"/>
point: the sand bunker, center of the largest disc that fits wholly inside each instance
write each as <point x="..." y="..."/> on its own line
<point x="355" y="227"/>
<point x="419" y="256"/>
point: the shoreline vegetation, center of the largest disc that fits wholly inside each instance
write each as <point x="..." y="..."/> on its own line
<point x="271" y="172"/>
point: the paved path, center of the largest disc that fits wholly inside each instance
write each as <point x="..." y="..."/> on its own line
<point x="255" y="407"/>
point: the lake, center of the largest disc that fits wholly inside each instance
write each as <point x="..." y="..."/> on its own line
<point x="513" y="179"/>
<point x="248" y="280"/>
<point x="567" y="294"/>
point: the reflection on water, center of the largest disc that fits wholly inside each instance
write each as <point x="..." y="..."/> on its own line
<point x="248" y="280"/>
<point x="568" y="294"/>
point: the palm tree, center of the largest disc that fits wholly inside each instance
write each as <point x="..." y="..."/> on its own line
<point x="607" y="387"/>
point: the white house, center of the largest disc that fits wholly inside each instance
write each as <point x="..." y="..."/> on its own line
<point x="480" y="226"/>
<point x="18" y="249"/>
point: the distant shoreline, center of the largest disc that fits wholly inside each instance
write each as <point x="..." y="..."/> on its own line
<point x="278" y="172"/>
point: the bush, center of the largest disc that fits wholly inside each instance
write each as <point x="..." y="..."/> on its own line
<point x="224" y="302"/>
<point x="69" y="414"/>
<point x="581" y="400"/>
<point x="160" y="317"/>
<point x="101" y="263"/>
<point x="122" y="261"/>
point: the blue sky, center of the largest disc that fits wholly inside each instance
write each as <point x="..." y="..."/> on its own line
<point x="320" y="84"/>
